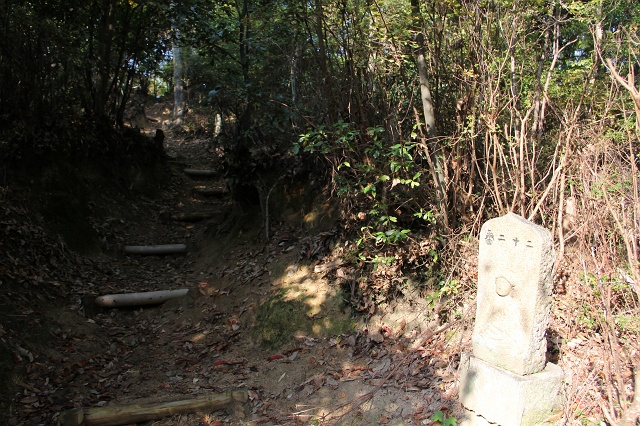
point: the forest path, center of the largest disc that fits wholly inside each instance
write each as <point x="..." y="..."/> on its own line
<point x="210" y="340"/>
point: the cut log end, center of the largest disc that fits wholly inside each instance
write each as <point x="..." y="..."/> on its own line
<point x="73" y="417"/>
<point x="240" y="395"/>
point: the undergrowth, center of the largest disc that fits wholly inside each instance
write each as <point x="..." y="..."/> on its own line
<point x="394" y="239"/>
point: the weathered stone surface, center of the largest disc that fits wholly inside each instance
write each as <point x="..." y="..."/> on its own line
<point x="514" y="294"/>
<point x="505" y="381"/>
<point x="505" y="398"/>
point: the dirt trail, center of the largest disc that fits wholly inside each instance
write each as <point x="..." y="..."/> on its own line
<point x="332" y="368"/>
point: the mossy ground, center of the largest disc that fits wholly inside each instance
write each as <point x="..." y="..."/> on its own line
<point x="302" y="305"/>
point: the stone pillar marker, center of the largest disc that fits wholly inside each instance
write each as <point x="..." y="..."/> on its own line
<point x="514" y="294"/>
<point x="507" y="380"/>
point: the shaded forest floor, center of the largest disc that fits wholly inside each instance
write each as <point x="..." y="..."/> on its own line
<point x="261" y="316"/>
<point x="266" y="316"/>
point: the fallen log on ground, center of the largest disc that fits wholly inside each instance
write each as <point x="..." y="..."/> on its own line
<point x="134" y="413"/>
<point x="220" y="191"/>
<point x="176" y="162"/>
<point x="138" y="299"/>
<point x="156" y="250"/>
<point x="193" y="217"/>
<point x="200" y="173"/>
<point x="327" y="266"/>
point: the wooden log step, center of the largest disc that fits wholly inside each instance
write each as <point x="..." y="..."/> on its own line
<point x="139" y="299"/>
<point x="156" y="250"/>
<point x="194" y="216"/>
<point x="176" y="162"/>
<point x="145" y="412"/>
<point x="218" y="191"/>
<point x="201" y="172"/>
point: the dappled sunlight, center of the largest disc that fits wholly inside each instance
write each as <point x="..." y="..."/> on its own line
<point x="300" y="285"/>
<point x="198" y="337"/>
<point x="302" y="303"/>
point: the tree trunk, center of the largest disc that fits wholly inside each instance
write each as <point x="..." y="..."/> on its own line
<point x="322" y="62"/>
<point x="179" y="99"/>
<point x="435" y="160"/>
<point x="103" y="60"/>
<point x="244" y="121"/>
<point x="178" y="83"/>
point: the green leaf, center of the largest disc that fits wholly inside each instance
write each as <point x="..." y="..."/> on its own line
<point x="438" y="416"/>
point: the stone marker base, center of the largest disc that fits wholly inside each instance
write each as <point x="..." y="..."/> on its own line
<point x="506" y="398"/>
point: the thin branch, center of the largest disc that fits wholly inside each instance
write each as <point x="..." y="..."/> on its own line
<point x="620" y="79"/>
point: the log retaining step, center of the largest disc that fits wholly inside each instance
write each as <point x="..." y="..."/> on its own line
<point x="139" y="299"/>
<point x="194" y="216"/>
<point x="156" y="250"/>
<point x="218" y="191"/>
<point x="145" y="412"/>
<point x="201" y="172"/>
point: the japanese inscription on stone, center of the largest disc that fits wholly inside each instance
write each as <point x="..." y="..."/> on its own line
<point x="514" y="294"/>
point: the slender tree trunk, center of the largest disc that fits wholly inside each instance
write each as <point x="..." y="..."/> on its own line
<point x="179" y="98"/>
<point x="244" y="122"/>
<point x="435" y="160"/>
<point x="123" y="84"/>
<point x="293" y="78"/>
<point x="103" y="60"/>
<point x="243" y="18"/>
<point x="322" y="62"/>
<point x="179" y="104"/>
